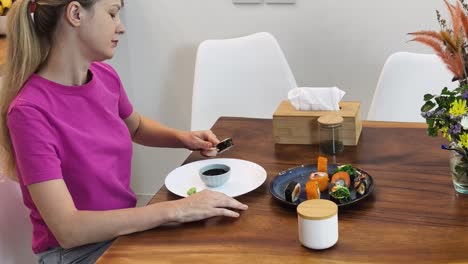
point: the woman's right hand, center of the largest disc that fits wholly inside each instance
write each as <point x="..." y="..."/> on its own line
<point x="205" y="204"/>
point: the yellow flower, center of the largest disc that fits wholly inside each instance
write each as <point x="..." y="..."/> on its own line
<point x="445" y="133"/>
<point x="464" y="140"/>
<point x="6" y="3"/>
<point x="458" y="107"/>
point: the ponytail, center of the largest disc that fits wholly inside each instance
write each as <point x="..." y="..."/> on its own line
<point x="25" y="52"/>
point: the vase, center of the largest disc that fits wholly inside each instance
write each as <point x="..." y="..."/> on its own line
<point x="459" y="170"/>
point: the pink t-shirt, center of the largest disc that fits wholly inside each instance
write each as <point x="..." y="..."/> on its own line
<point x="74" y="133"/>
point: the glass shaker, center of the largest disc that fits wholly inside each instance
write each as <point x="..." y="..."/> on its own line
<point x="330" y="134"/>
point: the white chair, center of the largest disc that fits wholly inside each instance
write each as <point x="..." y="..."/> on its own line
<point x="244" y="77"/>
<point x="405" y="79"/>
<point x="15" y="226"/>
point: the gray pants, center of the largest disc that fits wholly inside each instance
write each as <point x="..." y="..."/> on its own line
<point x="83" y="254"/>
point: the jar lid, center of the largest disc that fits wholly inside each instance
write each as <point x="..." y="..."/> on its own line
<point x="330" y="119"/>
<point x="317" y="209"/>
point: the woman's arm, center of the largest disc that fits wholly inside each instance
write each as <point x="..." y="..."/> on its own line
<point x="148" y="132"/>
<point x="73" y="227"/>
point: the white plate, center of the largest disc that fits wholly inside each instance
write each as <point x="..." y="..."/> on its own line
<point x="246" y="176"/>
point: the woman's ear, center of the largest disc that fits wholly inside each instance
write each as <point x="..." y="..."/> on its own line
<point x="73" y="13"/>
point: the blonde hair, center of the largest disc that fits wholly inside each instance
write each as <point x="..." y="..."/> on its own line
<point x="29" y="39"/>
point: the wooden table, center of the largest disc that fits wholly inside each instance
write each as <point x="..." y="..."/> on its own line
<point x="413" y="216"/>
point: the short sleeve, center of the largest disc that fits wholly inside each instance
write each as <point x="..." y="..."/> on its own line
<point x="125" y="106"/>
<point x="34" y="145"/>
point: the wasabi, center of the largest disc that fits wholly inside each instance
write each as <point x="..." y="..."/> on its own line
<point x="191" y="191"/>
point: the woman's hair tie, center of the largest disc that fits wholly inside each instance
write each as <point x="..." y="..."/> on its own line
<point x="32" y="6"/>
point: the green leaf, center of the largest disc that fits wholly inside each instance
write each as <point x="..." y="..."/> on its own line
<point x="443" y="102"/>
<point x="430" y="122"/>
<point x="428" y="97"/>
<point x="432" y="131"/>
<point x="348" y="168"/>
<point x="446" y="91"/>
<point x="427" y="106"/>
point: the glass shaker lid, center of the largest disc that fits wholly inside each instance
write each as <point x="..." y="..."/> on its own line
<point x="330" y="119"/>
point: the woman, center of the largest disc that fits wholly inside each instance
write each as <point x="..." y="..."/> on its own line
<point x="67" y="130"/>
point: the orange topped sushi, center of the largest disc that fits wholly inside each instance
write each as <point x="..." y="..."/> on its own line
<point x="321" y="178"/>
<point x="341" y="178"/>
<point x="322" y="164"/>
<point x="312" y="190"/>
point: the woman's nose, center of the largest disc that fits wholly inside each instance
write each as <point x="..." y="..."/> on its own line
<point x="121" y="28"/>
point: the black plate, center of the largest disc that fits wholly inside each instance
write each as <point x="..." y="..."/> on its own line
<point x="301" y="175"/>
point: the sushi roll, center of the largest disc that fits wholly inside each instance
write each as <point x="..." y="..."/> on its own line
<point x="361" y="183"/>
<point x="341" y="178"/>
<point x="321" y="178"/>
<point x="312" y="190"/>
<point x="322" y="164"/>
<point x="292" y="191"/>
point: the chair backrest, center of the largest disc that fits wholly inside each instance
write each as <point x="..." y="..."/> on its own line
<point x="15" y="226"/>
<point x="245" y="77"/>
<point x="404" y="80"/>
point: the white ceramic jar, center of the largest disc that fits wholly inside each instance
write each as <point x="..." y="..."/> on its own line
<point x="318" y="223"/>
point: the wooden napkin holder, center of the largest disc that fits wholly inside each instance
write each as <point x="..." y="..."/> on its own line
<point x="291" y="126"/>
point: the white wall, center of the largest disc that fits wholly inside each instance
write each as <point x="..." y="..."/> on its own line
<point x="327" y="43"/>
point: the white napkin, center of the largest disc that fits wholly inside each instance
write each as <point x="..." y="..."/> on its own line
<point x="318" y="98"/>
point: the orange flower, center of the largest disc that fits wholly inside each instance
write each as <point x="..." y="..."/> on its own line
<point x="449" y="45"/>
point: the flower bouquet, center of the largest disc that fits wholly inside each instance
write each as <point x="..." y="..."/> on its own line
<point x="447" y="113"/>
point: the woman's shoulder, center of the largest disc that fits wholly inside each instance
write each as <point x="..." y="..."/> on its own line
<point x="102" y="68"/>
<point x="106" y="72"/>
<point x="30" y="96"/>
<point x="21" y="109"/>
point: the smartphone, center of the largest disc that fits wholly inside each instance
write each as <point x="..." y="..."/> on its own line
<point x="224" y="145"/>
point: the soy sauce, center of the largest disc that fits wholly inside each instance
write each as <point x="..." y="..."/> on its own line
<point x="214" y="172"/>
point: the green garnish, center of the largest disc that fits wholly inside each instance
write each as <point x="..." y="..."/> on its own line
<point x="191" y="191"/>
<point x="348" y="169"/>
<point x="341" y="193"/>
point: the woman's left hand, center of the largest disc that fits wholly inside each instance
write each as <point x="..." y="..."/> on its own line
<point x="204" y="141"/>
